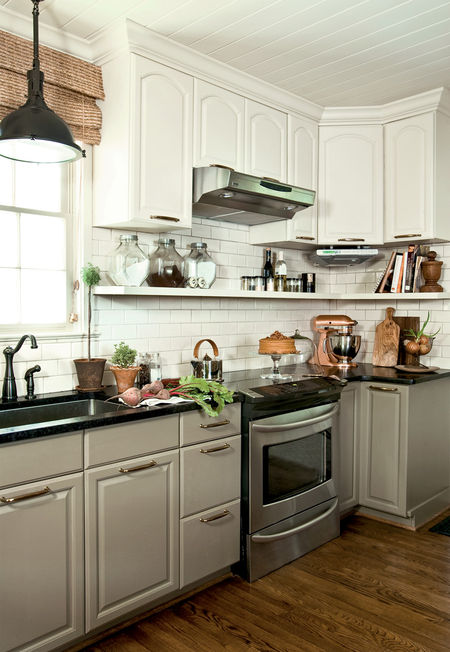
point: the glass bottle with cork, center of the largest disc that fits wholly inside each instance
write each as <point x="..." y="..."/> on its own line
<point x="268" y="272"/>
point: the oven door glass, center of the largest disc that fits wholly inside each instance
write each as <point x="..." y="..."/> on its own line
<point x="292" y="467"/>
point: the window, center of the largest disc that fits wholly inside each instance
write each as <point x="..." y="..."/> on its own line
<point x="38" y="244"/>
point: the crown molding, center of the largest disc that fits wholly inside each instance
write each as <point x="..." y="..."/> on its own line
<point x="437" y="99"/>
<point x="140" y="40"/>
<point x="57" y="39"/>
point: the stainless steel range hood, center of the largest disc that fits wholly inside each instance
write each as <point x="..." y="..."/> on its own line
<point x="226" y="195"/>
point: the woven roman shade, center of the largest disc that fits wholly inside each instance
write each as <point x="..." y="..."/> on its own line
<point x="71" y="86"/>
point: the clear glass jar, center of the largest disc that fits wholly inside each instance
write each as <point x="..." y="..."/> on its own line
<point x="166" y="265"/>
<point x="199" y="269"/>
<point x="292" y="284"/>
<point x="259" y="283"/>
<point x="129" y="265"/>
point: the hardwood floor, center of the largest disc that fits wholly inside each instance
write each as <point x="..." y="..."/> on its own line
<point x="377" y="587"/>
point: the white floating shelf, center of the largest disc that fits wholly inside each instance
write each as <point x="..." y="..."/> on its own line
<point x="228" y="293"/>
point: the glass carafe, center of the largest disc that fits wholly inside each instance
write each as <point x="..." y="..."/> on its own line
<point x="166" y="265"/>
<point x="199" y="269"/>
<point x="129" y="265"/>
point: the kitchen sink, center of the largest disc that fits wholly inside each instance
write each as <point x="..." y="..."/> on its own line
<point x="41" y="414"/>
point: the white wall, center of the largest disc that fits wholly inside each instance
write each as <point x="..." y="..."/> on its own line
<point x="172" y="326"/>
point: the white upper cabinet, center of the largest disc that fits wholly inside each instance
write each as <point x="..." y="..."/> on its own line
<point x="302" y="158"/>
<point x="218" y="126"/>
<point x="265" y="141"/>
<point x="350" y="204"/>
<point x="143" y="167"/>
<point x="417" y="172"/>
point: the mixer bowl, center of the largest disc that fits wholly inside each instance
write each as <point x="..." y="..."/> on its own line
<point x="343" y="346"/>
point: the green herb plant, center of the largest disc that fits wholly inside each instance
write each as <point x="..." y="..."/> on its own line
<point x="209" y="394"/>
<point x="124" y="356"/>
<point x="90" y="276"/>
<point x="417" y="335"/>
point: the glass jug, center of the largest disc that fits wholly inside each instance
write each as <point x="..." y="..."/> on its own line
<point x="199" y="269"/>
<point x="166" y="265"/>
<point x="129" y="265"/>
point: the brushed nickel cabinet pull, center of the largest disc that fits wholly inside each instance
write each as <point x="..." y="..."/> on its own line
<point x="383" y="389"/>
<point x="34" y="494"/>
<point x="214" y="450"/>
<point x="304" y="237"/>
<point x="215" y="517"/>
<point x="164" y="217"/>
<point x="141" y="467"/>
<point x="409" y="235"/>
<point x="351" y="239"/>
<point x="225" y="422"/>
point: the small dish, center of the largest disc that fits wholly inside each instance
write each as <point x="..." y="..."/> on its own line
<point x="412" y="369"/>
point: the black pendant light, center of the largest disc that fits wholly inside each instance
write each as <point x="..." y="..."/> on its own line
<point x="34" y="133"/>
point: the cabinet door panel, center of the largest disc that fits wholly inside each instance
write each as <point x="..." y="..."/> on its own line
<point x="132" y="521"/>
<point x="350" y="206"/>
<point x="210" y="544"/>
<point x="161" y="168"/>
<point x="302" y="171"/>
<point x="409" y="178"/>
<point x="348" y="448"/>
<point x="218" y="126"/>
<point x="265" y="141"/>
<point x="41" y="567"/>
<point x="383" y="448"/>
<point x="210" y="478"/>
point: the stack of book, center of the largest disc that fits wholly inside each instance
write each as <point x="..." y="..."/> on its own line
<point x="402" y="273"/>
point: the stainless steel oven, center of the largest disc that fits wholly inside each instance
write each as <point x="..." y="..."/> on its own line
<point x="293" y="505"/>
<point x="289" y="484"/>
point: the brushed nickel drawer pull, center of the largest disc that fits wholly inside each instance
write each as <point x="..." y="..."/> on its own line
<point x="164" y="217"/>
<point x="34" y="494"/>
<point x="409" y="235"/>
<point x="304" y="237"/>
<point x="225" y="422"/>
<point x="214" y="450"/>
<point x="141" y="467"/>
<point x="351" y="239"/>
<point x="225" y="512"/>
<point x="383" y="389"/>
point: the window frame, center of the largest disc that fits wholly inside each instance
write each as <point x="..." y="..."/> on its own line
<point x="76" y="203"/>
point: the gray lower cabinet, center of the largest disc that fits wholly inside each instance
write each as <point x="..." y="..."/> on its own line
<point x="405" y="444"/>
<point x="41" y="563"/>
<point x="210" y="483"/>
<point x="348" y="433"/>
<point x="131" y="535"/>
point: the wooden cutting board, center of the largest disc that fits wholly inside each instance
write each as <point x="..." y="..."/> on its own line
<point x="405" y="324"/>
<point x="387" y="336"/>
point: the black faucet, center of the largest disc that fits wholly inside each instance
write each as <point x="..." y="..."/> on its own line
<point x="9" y="392"/>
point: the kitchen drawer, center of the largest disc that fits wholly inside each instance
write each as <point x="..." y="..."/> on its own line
<point x="130" y="439"/>
<point x="44" y="457"/>
<point x="197" y="426"/>
<point x="208" y="546"/>
<point x="210" y="474"/>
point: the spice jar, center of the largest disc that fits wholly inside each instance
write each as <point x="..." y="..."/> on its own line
<point x="199" y="269"/>
<point x="166" y="265"/>
<point x="259" y="283"/>
<point x="129" y="265"/>
<point x="292" y="284"/>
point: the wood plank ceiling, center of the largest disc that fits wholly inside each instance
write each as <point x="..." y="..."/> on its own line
<point x="332" y="52"/>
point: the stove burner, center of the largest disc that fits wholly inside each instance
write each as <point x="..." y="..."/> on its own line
<point x="315" y="384"/>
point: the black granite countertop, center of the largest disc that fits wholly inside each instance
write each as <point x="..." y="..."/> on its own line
<point x="236" y="381"/>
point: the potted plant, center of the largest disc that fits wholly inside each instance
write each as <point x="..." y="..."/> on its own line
<point x="90" y="370"/>
<point x="123" y="366"/>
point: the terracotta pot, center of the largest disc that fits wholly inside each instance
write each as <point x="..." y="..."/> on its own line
<point x="125" y="377"/>
<point x="90" y="373"/>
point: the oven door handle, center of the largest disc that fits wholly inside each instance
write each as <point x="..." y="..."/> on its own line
<point x="268" y="538"/>
<point x="297" y="424"/>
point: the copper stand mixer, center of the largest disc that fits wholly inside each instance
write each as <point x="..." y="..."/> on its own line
<point x="337" y="345"/>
